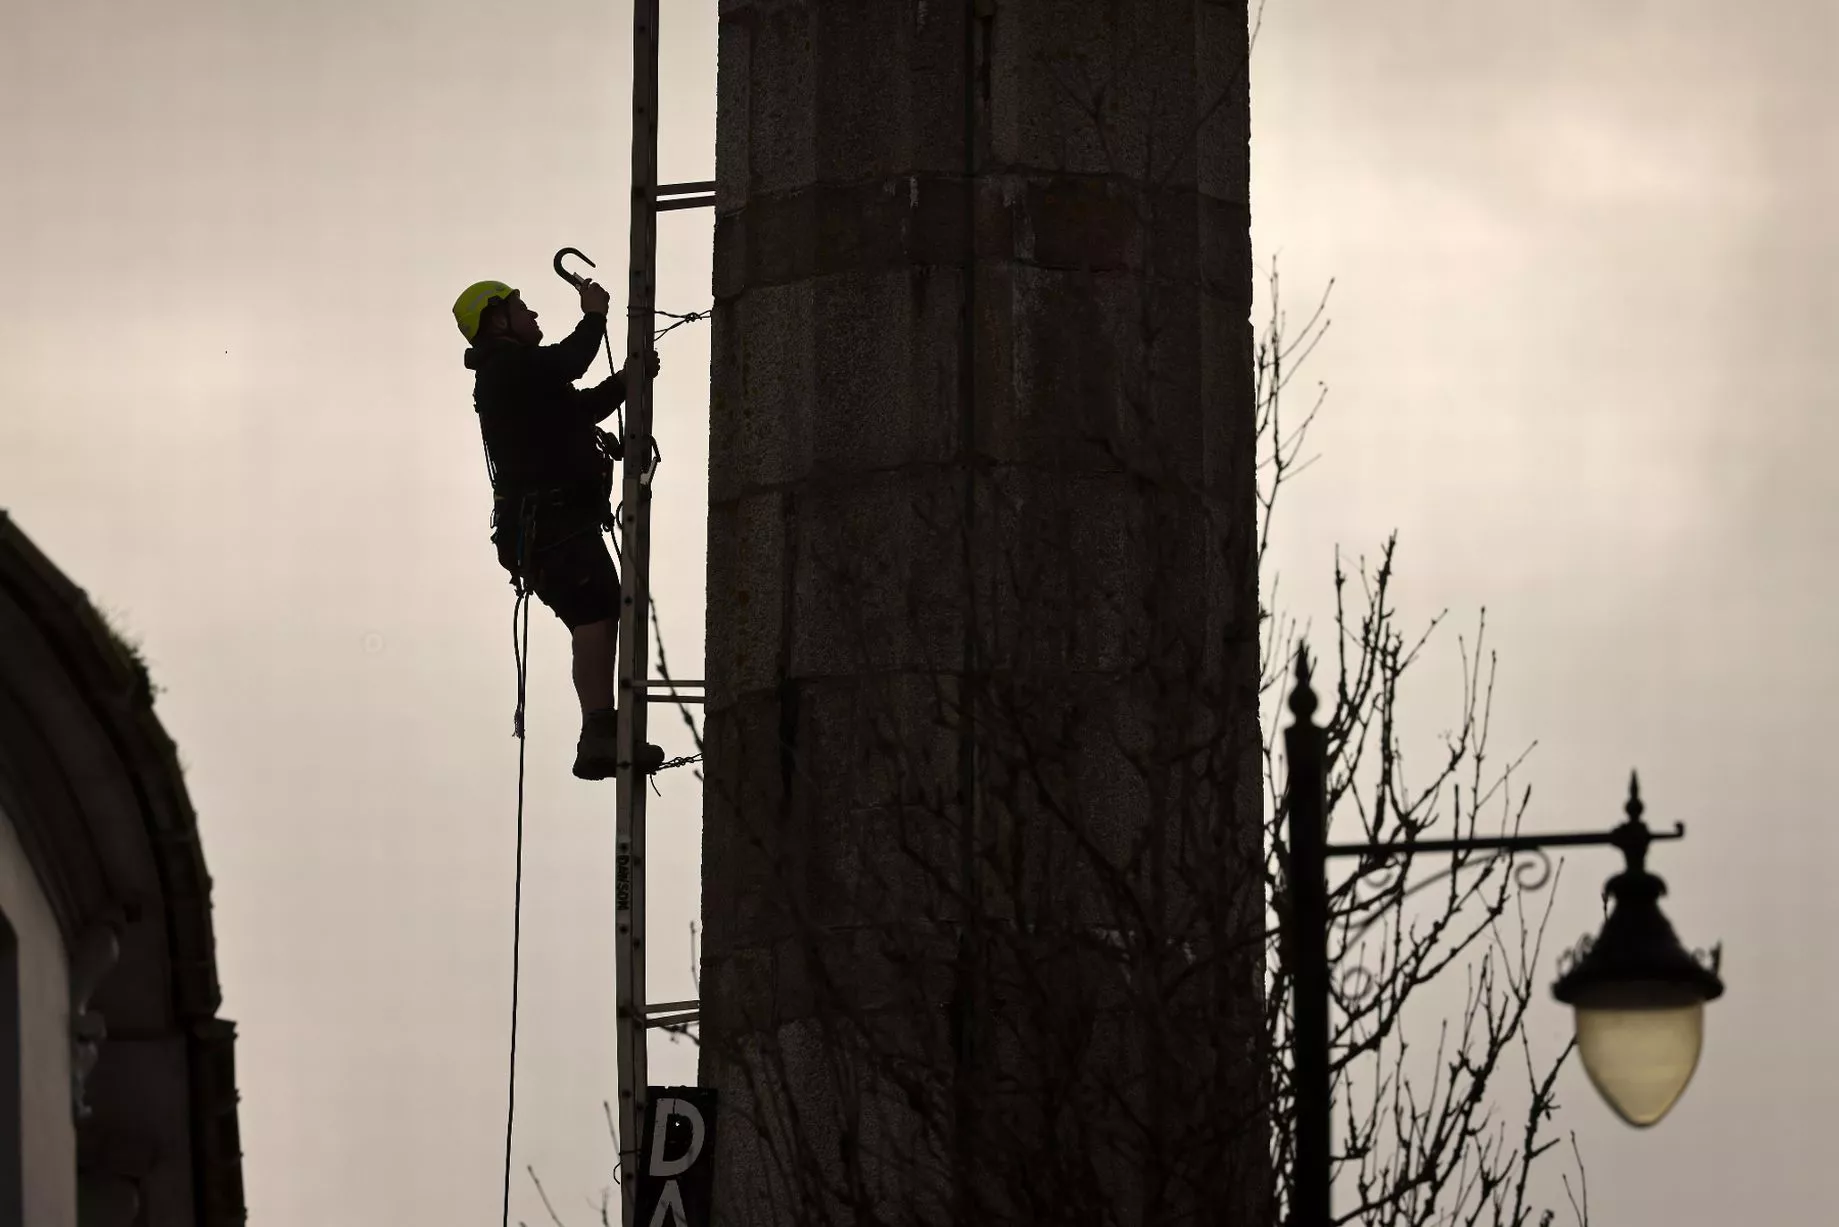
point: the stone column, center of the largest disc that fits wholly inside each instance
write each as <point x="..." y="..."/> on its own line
<point x="983" y="802"/>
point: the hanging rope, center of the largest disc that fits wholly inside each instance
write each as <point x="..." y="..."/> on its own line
<point x="519" y="611"/>
<point x="657" y="631"/>
<point x="619" y="410"/>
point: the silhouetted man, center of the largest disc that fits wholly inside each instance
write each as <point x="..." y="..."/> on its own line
<point x="552" y="484"/>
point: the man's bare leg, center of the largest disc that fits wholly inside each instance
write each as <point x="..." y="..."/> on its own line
<point x="595" y="647"/>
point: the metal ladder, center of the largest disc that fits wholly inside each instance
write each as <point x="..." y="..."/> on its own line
<point x="635" y="1016"/>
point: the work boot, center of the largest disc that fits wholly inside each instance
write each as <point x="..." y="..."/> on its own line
<point x="596" y="754"/>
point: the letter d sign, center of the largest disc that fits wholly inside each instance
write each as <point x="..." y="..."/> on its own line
<point x="676" y="1169"/>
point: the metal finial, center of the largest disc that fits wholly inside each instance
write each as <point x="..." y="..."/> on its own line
<point x="1302" y="699"/>
<point x="1634" y="809"/>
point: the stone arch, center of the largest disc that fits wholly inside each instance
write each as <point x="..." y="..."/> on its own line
<point x="93" y="788"/>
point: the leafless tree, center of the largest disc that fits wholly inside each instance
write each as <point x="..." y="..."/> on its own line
<point x="866" y="1114"/>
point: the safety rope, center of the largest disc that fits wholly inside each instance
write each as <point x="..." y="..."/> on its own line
<point x="607" y="338"/>
<point x="520" y="610"/>
<point x="689" y="318"/>
<point x="683" y="709"/>
<point x="619" y="410"/>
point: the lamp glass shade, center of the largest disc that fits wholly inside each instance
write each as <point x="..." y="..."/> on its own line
<point x="1640" y="1056"/>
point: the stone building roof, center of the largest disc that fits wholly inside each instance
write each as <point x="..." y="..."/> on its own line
<point x="94" y="786"/>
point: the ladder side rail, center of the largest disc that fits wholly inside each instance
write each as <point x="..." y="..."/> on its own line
<point x="635" y="593"/>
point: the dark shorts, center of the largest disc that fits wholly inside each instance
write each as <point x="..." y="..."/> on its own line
<point x="567" y="565"/>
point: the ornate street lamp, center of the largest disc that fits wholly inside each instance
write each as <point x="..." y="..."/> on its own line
<point x="1639" y="996"/>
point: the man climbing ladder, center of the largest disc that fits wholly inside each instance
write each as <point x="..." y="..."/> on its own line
<point x="551" y="468"/>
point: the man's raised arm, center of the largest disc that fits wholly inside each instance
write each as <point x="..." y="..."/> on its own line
<point x="570" y="357"/>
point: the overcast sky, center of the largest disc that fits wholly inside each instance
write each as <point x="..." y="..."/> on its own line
<point x="1584" y="266"/>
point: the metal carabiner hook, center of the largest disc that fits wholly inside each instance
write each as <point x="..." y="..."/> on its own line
<point x="563" y="273"/>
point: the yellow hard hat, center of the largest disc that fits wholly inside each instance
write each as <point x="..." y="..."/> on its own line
<point x="472" y="303"/>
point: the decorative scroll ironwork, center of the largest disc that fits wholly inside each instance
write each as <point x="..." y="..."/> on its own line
<point x="1354" y="987"/>
<point x="1569" y="959"/>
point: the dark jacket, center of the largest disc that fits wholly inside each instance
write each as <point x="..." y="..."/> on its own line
<point x="540" y="430"/>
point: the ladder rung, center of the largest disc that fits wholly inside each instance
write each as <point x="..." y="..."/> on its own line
<point x="678" y="189"/>
<point x="673" y="698"/>
<point x="674" y="1020"/>
<point x="661" y="1006"/>
<point x="659" y="683"/>
<point x="688" y="202"/>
